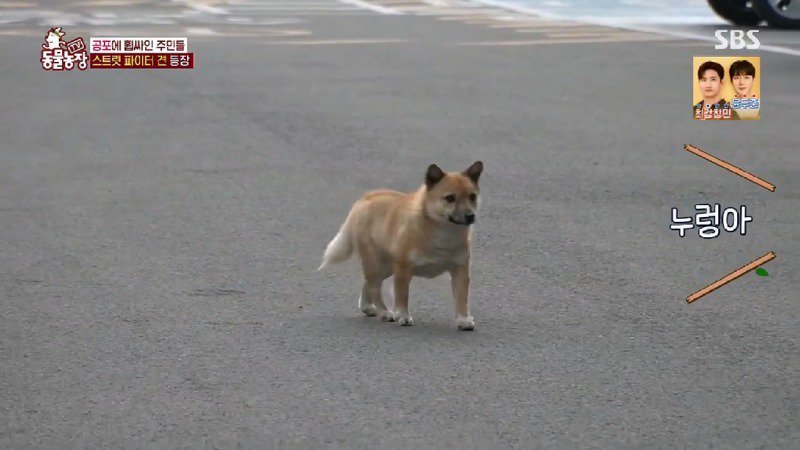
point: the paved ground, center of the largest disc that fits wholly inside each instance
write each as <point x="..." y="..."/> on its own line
<point x="159" y="234"/>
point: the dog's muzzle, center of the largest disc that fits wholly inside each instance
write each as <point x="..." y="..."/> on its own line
<point x="466" y="219"/>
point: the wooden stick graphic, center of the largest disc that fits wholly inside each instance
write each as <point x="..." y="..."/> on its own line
<point x="730" y="167"/>
<point x="730" y="277"/>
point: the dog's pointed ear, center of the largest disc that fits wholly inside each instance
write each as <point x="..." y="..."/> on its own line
<point x="433" y="175"/>
<point x="474" y="171"/>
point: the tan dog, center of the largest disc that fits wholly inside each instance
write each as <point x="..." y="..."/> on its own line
<point x="424" y="233"/>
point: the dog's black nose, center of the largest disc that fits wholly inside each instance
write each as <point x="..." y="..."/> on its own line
<point x="470" y="218"/>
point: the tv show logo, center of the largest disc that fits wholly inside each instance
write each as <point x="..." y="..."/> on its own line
<point x="737" y="40"/>
<point x="717" y="79"/>
<point x="59" y="55"/>
<point x="115" y="52"/>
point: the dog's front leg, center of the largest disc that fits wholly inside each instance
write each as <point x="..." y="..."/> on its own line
<point x="459" y="277"/>
<point x="402" y="281"/>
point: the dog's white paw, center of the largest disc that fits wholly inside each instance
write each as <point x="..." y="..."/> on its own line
<point x="387" y="316"/>
<point x="405" y="320"/>
<point x="465" y="323"/>
<point x="367" y="308"/>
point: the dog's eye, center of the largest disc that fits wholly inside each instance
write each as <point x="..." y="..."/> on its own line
<point x="450" y="198"/>
<point x="473" y="197"/>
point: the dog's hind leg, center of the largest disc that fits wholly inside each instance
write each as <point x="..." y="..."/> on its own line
<point x="365" y="304"/>
<point x="371" y="301"/>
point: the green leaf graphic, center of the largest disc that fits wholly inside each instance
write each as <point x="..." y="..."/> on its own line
<point x="761" y="272"/>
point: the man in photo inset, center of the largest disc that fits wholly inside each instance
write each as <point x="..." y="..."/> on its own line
<point x="743" y="74"/>
<point x="711" y="77"/>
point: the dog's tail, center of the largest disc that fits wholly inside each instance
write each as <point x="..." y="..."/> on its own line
<point x="340" y="248"/>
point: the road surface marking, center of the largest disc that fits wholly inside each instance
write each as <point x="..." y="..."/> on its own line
<point x="17" y="4"/>
<point x="534" y="24"/>
<point x="589" y="34"/>
<point x="107" y="3"/>
<point x="565" y="30"/>
<point x="499" y="16"/>
<point x="337" y="42"/>
<point x="626" y="26"/>
<point x="198" y="31"/>
<point x="202" y="7"/>
<point x="372" y="7"/>
<point x="599" y="40"/>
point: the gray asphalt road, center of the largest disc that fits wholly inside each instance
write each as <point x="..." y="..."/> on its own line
<point x="160" y="230"/>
